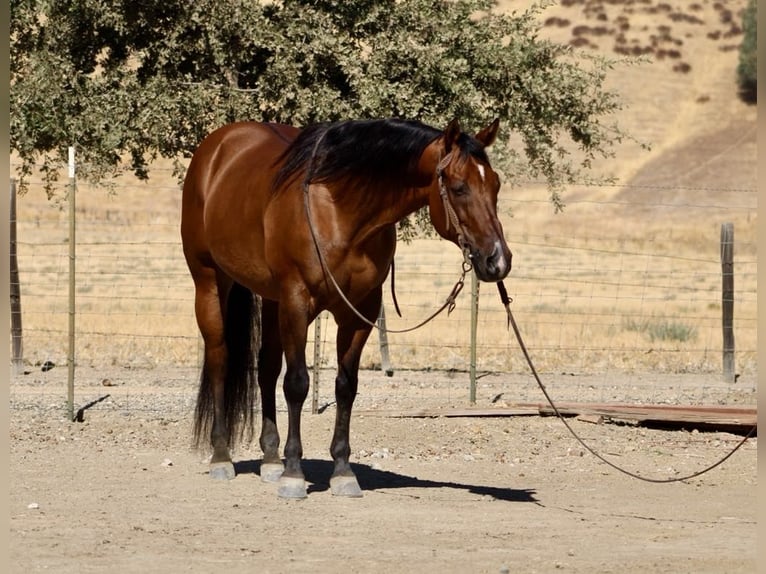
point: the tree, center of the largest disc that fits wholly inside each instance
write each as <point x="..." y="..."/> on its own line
<point x="747" y="70"/>
<point x="129" y="81"/>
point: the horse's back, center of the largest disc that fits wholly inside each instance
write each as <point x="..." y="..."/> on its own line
<point x="235" y="150"/>
<point x="227" y="188"/>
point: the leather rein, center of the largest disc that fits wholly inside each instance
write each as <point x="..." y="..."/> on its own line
<point x="449" y="303"/>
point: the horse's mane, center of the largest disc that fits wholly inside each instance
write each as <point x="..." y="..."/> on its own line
<point x="383" y="151"/>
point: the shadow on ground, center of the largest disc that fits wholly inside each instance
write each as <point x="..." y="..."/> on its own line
<point x="318" y="475"/>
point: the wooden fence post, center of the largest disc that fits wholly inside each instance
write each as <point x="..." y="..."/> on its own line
<point x="727" y="300"/>
<point x="17" y="340"/>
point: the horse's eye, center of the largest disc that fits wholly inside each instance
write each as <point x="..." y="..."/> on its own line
<point x="459" y="188"/>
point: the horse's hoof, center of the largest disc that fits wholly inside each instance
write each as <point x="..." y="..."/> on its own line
<point x="222" y="471"/>
<point x="271" y="471"/>
<point x="291" y="487"/>
<point x="345" y="486"/>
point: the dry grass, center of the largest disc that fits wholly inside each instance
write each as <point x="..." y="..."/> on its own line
<point x="592" y="287"/>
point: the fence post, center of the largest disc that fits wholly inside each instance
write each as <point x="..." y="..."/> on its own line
<point x="474" y="327"/>
<point x="17" y="359"/>
<point x="71" y="352"/>
<point x="727" y="300"/>
<point x="385" y="359"/>
<point x="317" y="360"/>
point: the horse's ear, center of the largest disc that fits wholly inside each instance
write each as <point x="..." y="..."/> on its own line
<point x="451" y="134"/>
<point x="488" y="134"/>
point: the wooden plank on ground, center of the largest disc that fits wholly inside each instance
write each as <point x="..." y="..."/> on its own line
<point x="452" y="412"/>
<point x="709" y="414"/>
<point x="683" y="416"/>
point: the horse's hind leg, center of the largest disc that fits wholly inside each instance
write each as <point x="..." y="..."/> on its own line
<point x="352" y="335"/>
<point x="210" y="293"/>
<point x="269" y="367"/>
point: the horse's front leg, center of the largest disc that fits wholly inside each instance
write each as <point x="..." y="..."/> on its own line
<point x="352" y="336"/>
<point x="269" y="367"/>
<point x="293" y="326"/>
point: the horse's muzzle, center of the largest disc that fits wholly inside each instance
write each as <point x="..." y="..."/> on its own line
<point x="492" y="267"/>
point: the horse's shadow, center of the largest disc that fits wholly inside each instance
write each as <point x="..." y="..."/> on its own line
<point x="375" y="479"/>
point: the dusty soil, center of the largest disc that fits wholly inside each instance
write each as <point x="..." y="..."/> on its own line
<point x="123" y="491"/>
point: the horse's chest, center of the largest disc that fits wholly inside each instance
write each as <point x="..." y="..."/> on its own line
<point x="366" y="266"/>
<point x="370" y="267"/>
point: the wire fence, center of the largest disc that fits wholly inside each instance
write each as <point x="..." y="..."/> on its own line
<point x="619" y="285"/>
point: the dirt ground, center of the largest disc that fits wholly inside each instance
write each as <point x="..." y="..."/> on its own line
<point x="123" y="491"/>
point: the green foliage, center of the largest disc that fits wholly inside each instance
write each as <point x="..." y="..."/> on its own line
<point x="127" y="82"/>
<point x="662" y="329"/>
<point x="747" y="70"/>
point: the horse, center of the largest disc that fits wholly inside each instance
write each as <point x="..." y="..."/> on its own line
<point x="291" y="222"/>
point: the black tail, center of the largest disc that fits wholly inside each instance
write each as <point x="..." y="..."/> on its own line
<point x="242" y="329"/>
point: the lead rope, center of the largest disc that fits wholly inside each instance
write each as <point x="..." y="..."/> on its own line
<point x="512" y="323"/>
<point x="449" y="303"/>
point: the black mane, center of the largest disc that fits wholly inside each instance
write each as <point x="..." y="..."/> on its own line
<point x="385" y="150"/>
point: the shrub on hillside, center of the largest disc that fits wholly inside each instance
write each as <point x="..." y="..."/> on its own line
<point x="747" y="69"/>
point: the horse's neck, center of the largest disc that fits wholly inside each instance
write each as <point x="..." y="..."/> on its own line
<point x="390" y="205"/>
<point x="379" y="207"/>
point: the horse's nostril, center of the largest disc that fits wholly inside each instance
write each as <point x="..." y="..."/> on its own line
<point x="497" y="264"/>
<point x="492" y="266"/>
<point x="494" y="259"/>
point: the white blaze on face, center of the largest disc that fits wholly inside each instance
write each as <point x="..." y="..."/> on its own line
<point x="481" y="171"/>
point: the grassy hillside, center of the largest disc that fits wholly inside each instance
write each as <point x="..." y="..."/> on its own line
<point x="680" y="96"/>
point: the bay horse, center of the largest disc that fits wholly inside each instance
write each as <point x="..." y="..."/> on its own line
<point x="306" y="219"/>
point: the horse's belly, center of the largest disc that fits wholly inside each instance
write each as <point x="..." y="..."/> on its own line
<point x="236" y="245"/>
<point x="252" y="275"/>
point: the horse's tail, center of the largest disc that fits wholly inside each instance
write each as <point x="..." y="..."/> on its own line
<point x="242" y="332"/>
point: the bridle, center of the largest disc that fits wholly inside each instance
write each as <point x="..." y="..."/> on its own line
<point x="449" y="303"/>
<point x="449" y="210"/>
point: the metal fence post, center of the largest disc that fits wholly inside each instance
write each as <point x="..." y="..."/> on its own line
<point x="727" y="300"/>
<point x="474" y="328"/>
<point x="317" y="361"/>
<point x="72" y="253"/>
<point x="385" y="357"/>
<point x="17" y="340"/>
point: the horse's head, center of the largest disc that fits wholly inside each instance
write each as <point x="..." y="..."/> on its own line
<point x="463" y="203"/>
